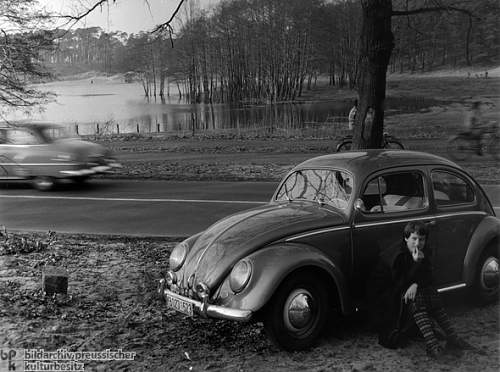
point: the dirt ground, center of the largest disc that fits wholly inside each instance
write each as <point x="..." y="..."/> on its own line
<point x="111" y="304"/>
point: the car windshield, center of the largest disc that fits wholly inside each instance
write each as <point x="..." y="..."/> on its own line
<point x="325" y="186"/>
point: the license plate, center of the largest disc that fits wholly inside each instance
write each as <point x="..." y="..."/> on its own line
<point x="180" y="305"/>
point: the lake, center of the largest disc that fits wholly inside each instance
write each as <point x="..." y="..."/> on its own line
<point x="109" y="105"/>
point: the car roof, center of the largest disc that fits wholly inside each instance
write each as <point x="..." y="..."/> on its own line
<point x="365" y="162"/>
<point x="22" y="125"/>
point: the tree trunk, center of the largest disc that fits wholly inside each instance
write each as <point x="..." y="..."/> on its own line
<point x="377" y="43"/>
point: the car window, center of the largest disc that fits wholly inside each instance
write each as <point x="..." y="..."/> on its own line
<point x="333" y="187"/>
<point x="450" y="189"/>
<point x="395" y="192"/>
<point x="22" y="137"/>
<point x="3" y="136"/>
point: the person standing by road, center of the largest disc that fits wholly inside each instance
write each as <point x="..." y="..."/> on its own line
<point x="352" y="115"/>
<point x="474" y="125"/>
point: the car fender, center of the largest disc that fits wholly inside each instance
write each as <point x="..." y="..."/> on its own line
<point x="271" y="265"/>
<point x="486" y="231"/>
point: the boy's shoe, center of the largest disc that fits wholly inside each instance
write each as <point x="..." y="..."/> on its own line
<point x="435" y="352"/>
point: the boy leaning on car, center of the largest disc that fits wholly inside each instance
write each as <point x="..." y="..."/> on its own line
<point x="403" y="293"/>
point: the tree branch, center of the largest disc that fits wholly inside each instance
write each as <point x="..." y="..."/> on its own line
<point x="433" y="9"/>
<point x="167" y="25"/>
<point x="80" y="16"/>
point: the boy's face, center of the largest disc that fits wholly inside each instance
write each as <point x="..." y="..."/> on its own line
<point x="415" y="242"/>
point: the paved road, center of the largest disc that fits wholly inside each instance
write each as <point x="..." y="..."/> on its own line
<point x="139" y="208"/>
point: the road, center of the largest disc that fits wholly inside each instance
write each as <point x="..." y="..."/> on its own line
<point x="137" y="207"/>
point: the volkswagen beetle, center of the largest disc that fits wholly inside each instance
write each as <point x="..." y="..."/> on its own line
<point x="305" y="256"/>
<point x="44" y="154"/>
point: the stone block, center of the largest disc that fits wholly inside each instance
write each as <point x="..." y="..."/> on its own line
<point x="54" y="280"/>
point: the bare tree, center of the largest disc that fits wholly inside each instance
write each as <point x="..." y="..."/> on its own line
<point x="21" y="43"/>
<point x="377" y="43"/>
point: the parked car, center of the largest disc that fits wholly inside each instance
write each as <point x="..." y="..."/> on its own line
<point x="304" y="258"/>
<point x="44" y="154"/>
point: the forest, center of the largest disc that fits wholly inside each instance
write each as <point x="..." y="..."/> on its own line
<point x="260" y="51"/>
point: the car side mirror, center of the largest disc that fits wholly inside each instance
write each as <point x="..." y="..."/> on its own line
<point x="359" y="205"/>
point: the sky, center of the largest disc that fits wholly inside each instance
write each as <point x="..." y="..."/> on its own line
<point x="130" y="16"/>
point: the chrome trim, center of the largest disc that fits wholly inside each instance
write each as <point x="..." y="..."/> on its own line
<point x="213" y="311"/>
<point x="460" y="213"/>
<point x="337" y="228"/>
<point x="42" y="164"/>
<point x="451" y="288"/>
<point x="368" y="224"/>
<point x="81" y="172"/>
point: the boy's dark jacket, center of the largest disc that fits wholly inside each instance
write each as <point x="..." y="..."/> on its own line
<point x="392" y="276"/>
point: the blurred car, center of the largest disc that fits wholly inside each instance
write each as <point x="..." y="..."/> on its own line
<point x="304" y="258"/>
<point x="45" y="154"/>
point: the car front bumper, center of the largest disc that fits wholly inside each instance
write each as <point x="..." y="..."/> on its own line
<point x="205" y="309"/>
<point x="88" y="171"/>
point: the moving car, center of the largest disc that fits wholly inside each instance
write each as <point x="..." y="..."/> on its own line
<point x="305" y="257"/>
<point x="44" y="154"/>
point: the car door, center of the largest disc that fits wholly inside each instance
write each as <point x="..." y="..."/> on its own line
<point x="390" y="200"/>
<point x="457" y="217"/>
<point x="23" y="153"/>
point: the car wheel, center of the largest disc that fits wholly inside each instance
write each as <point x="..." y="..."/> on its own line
<point x="297" y="313"/>
<point x="344" y="146"/>
<point x="487" y="281"/>
<point x="459" y="148"/>
<point x="393" y="144"/>
<point x="44" y="183"/>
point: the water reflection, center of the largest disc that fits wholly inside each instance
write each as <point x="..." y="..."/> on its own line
<point x="112" y="106"/>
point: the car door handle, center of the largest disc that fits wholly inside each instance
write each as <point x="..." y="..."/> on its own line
<point x="431" y="223"/>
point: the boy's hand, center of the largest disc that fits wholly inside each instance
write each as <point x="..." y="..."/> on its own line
<point x="417" y="255"/>
<point x="410" y="293"/>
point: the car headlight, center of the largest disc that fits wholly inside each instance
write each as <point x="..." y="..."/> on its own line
<point x="240" y="275"/>
<point x="178" y="256"/>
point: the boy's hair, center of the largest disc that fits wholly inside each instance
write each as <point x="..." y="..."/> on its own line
<point x="417" y="227"/>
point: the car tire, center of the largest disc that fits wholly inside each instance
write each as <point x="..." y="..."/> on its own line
<point x="297" y="313"/>
<point x="486" y="283"/>
<point x="44" y="183"/>
<point x="80" y="180"/>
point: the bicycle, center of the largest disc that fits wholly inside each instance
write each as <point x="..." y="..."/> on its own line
<point x="462" y="145"/>
<point x="388" y="142"/>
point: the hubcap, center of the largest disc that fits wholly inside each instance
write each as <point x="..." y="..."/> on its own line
<point x="489" y="273"/>
<point x="44" y="183"/>
<point x="298" y="309"/>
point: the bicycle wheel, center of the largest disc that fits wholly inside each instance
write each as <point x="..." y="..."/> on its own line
<point x="459" y="148"/>
<point x="393" y="144"/>
<point x="344" y="146"/>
